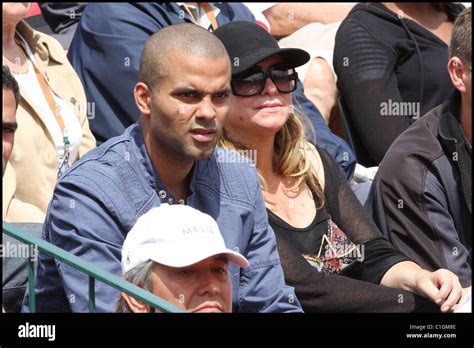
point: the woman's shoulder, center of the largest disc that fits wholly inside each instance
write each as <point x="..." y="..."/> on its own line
<point x="316" y="161"/>
<point x="323" y="156"/>
<point x="331" y="168"/>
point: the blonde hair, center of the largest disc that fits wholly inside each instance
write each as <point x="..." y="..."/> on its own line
<point x="293" y="156"/>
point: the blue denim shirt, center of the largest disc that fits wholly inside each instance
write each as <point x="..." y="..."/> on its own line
<point x="100" y="198"/>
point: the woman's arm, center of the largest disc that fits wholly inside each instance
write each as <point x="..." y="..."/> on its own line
<point x="441" y="286"/>
<point x="318" y="292"/>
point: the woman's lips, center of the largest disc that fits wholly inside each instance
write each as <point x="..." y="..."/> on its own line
<point x="270" y="107"/>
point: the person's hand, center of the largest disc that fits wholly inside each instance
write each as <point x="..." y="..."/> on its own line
<point x="441" y="286"/>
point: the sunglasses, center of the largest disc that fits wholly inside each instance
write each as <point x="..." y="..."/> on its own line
<point x="252" y="82"/>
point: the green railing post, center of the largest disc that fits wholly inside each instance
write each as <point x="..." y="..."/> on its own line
<point x="91" y="294"/>
<point x="31" y="284"/>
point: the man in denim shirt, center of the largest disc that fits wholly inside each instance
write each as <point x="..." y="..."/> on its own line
<point x="168" y="156"/>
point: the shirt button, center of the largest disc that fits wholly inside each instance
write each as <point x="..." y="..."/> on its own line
<point x="73" y="100"/>
<point x="162" y="194"/>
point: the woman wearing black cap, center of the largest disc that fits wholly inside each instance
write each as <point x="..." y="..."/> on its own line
<point x="331" y="252"/>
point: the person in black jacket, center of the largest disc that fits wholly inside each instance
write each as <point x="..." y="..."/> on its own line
<point x="331" y="251"/>
<point x="390" y="60"/>
<point x="421" y="195"/>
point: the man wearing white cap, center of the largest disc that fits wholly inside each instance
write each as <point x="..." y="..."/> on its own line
<point x="177" y="253"/>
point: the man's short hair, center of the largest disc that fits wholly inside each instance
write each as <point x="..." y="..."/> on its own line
<point x="10" y="83"/>
<point x="185" y="38"/>
<point x="461" y="37"/>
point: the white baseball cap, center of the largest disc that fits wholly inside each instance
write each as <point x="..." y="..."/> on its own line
<point x="176" y="236"/>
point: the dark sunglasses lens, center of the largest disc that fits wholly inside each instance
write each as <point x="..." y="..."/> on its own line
<point x="284" y="78"/>
<point x="249" y="85"/>
<point x="252" y="83"/>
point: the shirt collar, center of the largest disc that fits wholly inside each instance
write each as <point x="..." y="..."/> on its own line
<point x="38" y="45"/>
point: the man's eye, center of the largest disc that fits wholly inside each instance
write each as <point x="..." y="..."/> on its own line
<point x="8" y="130"/>
<point x="221" y="95"/>
<point x="188" y="95"/>
<point x="220" y="270"/>
<point x="186" y="272"/>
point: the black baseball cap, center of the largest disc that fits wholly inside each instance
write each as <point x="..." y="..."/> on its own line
<point x="250" y="44"/>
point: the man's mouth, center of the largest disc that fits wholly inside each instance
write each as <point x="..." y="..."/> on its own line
<point x="209" y="307"/>
<point x="203" y="134"/>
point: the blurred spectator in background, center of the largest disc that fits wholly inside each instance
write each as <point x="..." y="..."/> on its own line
<point x="287" y="18"/>
<point x="53" y="129"/>
<point x="390" y="61"/>
<point x="14" y="268"/>
<point x="63" y="18"/>
<point x="10" y="101"/>
<point x="34" y="18"/>
<point x="257" y="9"/>
<point x="421" y="198"/>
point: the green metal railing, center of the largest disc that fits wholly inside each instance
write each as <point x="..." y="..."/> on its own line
<point x="93" y="271"/>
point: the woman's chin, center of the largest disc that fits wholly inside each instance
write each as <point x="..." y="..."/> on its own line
<point x="260" y="125"/>
<point x="271" y="123"/>
<point x="270" y="128"/>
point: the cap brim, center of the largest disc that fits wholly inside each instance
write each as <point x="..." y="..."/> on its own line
<point x="238" y="259"/>
<point x="293" y="56"/>
<point x="232" y="256"/>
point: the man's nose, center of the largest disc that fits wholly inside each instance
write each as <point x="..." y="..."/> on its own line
<point x="209" y="286"/>
<point x="206" y="109"/>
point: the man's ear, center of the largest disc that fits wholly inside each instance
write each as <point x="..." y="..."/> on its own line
<point x="135" y="305"/>
<point x="142" y="95"/>
<point x="456" y="71"/>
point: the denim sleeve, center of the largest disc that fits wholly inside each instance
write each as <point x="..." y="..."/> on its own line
<point x="82" y="220"/>
<point x="323" y="137"/>
<point x="262" y="285"/>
